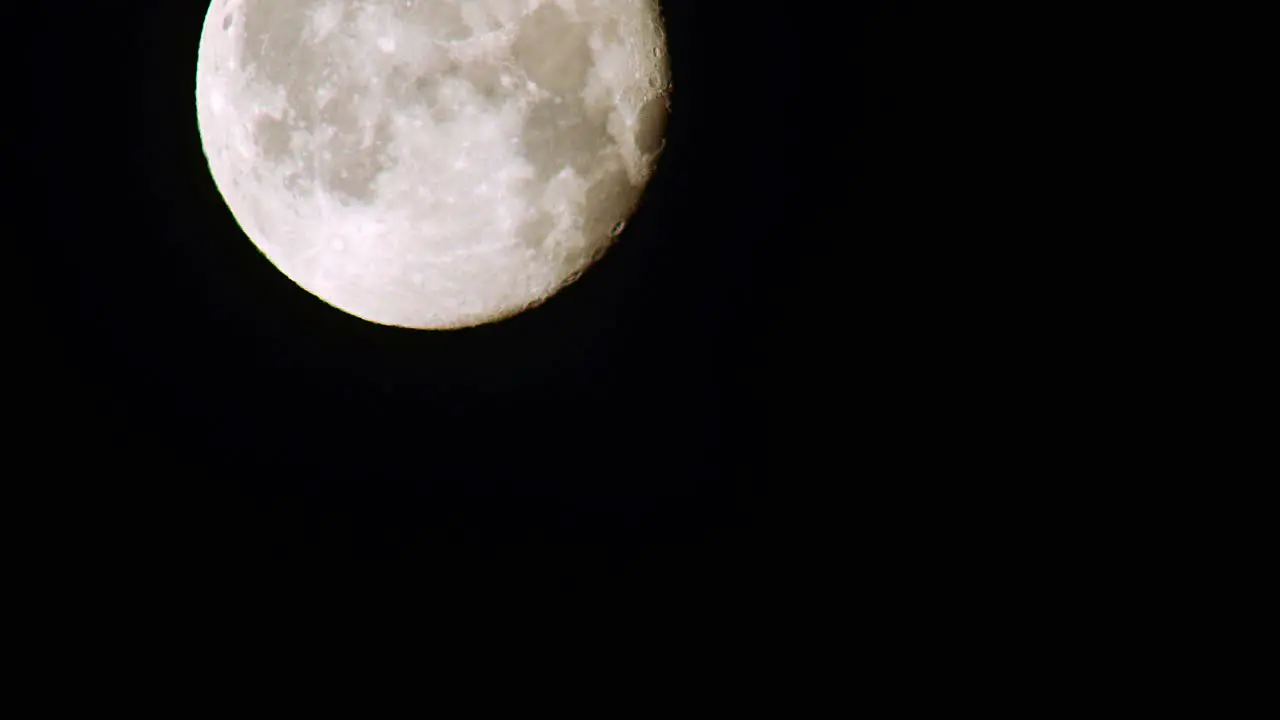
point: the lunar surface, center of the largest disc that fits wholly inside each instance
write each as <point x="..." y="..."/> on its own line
<point x="432" y="163"/>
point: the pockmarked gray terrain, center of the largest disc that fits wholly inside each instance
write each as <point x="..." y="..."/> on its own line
<point x="432" y="163"/>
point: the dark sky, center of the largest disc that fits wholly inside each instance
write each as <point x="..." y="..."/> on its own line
<point x="687" y="415"/>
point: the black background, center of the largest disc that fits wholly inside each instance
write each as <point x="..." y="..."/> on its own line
<point x="703" y="412"/>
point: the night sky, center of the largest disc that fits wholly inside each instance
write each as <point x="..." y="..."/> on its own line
<point x="686" y="418"/>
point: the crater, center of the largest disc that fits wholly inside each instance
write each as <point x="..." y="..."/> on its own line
<point x="608" y="201"/>
<point x="651" y="123"/>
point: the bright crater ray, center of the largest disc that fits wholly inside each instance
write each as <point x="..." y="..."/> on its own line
<point x="432" y="163"/>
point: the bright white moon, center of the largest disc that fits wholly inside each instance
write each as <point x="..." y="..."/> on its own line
<point x="432" y="163"/>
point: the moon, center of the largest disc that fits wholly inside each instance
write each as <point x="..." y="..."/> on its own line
<point x="432" y="164"/>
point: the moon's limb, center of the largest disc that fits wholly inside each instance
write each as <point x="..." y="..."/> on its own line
<point x="431" y="164"/>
